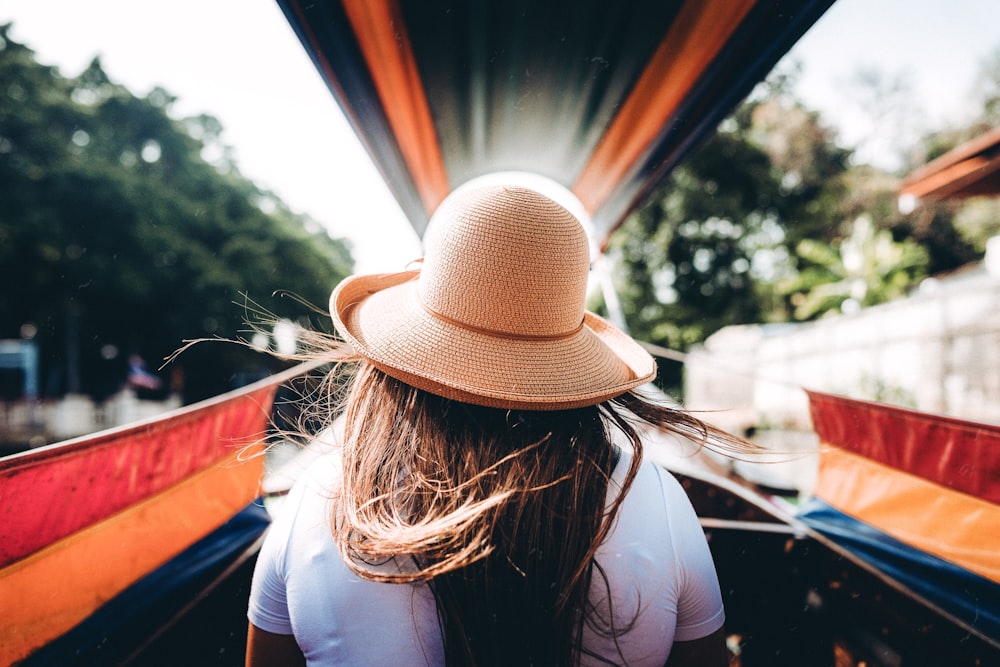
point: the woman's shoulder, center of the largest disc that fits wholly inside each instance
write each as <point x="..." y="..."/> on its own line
<point x="312" y="478"/>
<point x="651" y="480"/>
<point x="656" y="509"/>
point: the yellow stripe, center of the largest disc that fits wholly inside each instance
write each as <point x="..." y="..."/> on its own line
<point x="697" y="35"/>
<point x="48" y="593"/>
<point x="949" y="524"/>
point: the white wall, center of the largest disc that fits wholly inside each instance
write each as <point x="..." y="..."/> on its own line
<point x="937" y="351"/>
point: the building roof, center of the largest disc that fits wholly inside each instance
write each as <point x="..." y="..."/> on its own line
<point x="969" y="170"/>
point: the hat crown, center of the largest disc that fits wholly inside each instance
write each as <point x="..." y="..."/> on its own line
<point x="506" y="260"/>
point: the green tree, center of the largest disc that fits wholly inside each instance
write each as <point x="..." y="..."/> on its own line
<point x="810" y="167"/>
<point x="867" y="268"/>
<point x="123" y="239"/>
<point x="706" y="249"/>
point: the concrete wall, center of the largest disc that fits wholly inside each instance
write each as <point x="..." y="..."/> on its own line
<point x="937" y="351"/>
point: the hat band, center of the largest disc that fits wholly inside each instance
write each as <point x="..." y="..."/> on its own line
<point x="499" y="334"/>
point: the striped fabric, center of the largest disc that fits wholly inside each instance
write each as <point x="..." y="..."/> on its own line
<point x="603" y="98"/>
<point x="930" y="482"/>
<point x="82" y="521"/>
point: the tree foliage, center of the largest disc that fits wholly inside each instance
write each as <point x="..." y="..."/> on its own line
<point x="868" y="268"/>
<point x="124" y="231"/>
<point x="770" y="220"/>
<point x="702" y="253"/>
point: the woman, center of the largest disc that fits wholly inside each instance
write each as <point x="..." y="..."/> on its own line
<point x="488" y="504"/>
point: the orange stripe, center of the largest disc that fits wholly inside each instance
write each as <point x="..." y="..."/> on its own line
<point x="48" y="593"/>
<point x="951" y="525"/>
<point x="982" y="147"/>
<point x="381" y="33"/>
<point x="696" y="36"/>
<point x="951" y="178"/>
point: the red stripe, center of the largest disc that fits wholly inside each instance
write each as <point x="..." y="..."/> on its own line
<point x="48" y="494"/>
<point x="696" y="37"/>
<point x="51" y="591"/>
<point x="961" y="455"/>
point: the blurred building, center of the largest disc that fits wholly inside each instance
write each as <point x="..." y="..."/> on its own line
<point x="936" y="351"/>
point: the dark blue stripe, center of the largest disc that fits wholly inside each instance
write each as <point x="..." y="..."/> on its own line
<point x="968" y="597"/>
<point x="126" y="622"/>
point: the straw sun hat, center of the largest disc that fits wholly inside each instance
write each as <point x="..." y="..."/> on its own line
<point x="496" y="316"/>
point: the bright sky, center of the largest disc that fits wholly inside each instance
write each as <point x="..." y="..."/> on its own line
<point x="239" y="61"/>
<point x="938" y="45"/>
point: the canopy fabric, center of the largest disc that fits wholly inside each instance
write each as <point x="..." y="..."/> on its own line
<point x="954" y="453"/>
<point x="969" y="170"/>
<point x="603" y="98"/>
<point x="129" y="465"/>
<point x="914" y="494"/>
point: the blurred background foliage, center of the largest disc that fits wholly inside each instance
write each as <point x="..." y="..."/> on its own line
<point x="125" y="231"/>
<point x="772" y="220"/>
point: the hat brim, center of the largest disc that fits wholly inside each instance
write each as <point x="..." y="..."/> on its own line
<point x="382" y="318"/>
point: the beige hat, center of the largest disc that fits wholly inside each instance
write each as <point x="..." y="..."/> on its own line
<point x="496" y="316"/>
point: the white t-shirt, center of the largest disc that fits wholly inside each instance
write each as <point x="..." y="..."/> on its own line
<point x="656" y="556"/>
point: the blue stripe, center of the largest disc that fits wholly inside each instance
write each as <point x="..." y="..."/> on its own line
<point x="970" y="598"/>
<point x="122" y="625"/>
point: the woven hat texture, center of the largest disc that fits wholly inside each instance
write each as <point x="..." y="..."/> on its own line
<point x="496" y="315"/>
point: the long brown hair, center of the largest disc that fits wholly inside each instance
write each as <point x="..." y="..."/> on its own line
<point x="500" y="511"/>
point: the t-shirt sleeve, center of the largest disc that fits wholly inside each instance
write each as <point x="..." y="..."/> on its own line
<point x="268" y="608"/>
<point x="699" y="604"/>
